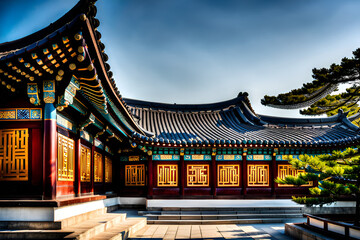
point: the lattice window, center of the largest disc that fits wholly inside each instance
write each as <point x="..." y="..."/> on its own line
<point x="228" y="175"/>
<point x="108" y="170"/>
<point x="286" y="170"/>
<point x="197" y="175"/>
<point x="98" y="167"/>
<point x="258" y="175"/>
<point x="85" y="164"/>
<point x="14" y="154"/>
<point x="167" y="175"/>
<point x="66" y="156"/>
<point x="135" y="175"/>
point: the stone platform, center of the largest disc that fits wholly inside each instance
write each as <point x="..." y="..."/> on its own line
<point x="153" y="204"/>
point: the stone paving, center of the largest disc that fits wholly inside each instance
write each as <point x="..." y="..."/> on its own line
<point x="230" y="231"/>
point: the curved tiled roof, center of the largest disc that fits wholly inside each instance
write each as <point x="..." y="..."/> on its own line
<point x="233" y="122"/>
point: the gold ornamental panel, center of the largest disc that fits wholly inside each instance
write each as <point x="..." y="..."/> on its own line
<point x="135" y="175"/>
<point x="98" y="167"/>
<point x="167" y="175"/>
<point x="14" y="154"/>
<point x="66" y="157"/>
<point x="287" y="170"/>
<point x="85" y="164"/>
<point x="108" y="170"/>
<point x="258" y="175"/>
<point x="228" y="175"/>
<point x="198" y="175"/>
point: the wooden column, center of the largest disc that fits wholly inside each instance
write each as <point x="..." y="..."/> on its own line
<point x="244" y="174"/>
<point x="92" y="165"/>
<point x="103" y="171"/>
<point x="77" y="183"/>
<point x="150" y="177"/>
<point x="182" y="176"/>
<point x="50" y="152"/>
<point x="213" y="175"/>
<point x="273" y="174"/>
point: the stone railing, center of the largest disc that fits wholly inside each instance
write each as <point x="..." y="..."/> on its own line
<point x="329" y="226"/>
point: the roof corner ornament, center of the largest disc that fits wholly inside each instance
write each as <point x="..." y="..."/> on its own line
<point x="83" y="17"/>
<point x="49" y="91"/>
<point x="33" y="93"/>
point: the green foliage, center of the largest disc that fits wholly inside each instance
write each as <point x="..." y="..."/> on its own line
<point x="337" y="174"/>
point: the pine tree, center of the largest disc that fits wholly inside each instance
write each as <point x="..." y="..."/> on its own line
<point x="337" y="174"/>
<point x="316" y="95"/>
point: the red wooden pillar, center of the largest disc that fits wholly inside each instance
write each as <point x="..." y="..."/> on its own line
<point x="150" y="177"/>
<point x="92" y="168"/>
<point x="214" y="176"/>
<point x="273" y="174"/>
<point x="182" y="176"/>
<point x="50" y="152"/>
<point x="244" y="174"/>
<point x="77" y="182"/>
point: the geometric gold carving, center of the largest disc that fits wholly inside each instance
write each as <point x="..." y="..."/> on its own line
<point x="167" y="175"/>
<point x="197" y="175"/>
<point x="287" y="170"/>
<point x="108" y="170"/>
<point x="14" y="154"/>
<point x="66" y="156"/>
<point x="228" y="175"/>
<point x="135" y="175"/>
<point x="98" y="167"/>
<point x="85" y="164"/>
<point x="258" y="175"/>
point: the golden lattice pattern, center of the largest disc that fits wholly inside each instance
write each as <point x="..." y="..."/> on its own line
<point x="14" y="154"/>
<point x="135" y="175"/>
<point x="258" y="175"/>
<point x="228" y="175"/>
<point x="98" y="167"/>
<point x="108" y="170"/>
<point x="167" y="175"/>
<point x="66" y="154"/>
<point x="286" y="170"/>
<point x="197" y="175"/>
<point x="85" y="164"/>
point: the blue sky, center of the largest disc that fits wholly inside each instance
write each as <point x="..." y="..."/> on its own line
<point x="201" y="51"/>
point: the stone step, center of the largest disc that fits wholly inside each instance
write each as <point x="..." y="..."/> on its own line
<point x="85" y="230"/>
<point x="88" y="229"/>
<point x="142" y="213"/>
<point x="218" y="221"/>
<point x="248" y="209"/>
<point x="123" y="230"/>
<point x="220" y="216"/>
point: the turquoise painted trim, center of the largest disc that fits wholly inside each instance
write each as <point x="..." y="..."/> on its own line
<point x="62" y="124"/>
<point x="228" y="157"/>
<point x="99" y="144"/>
<point x="165" y="157"/>
<point x="86" y="136"/>
<point x="49" y="111"/>
<point x="197" y="157"/>
<point x="126" y="159"/>
<point x="258" y="157"/>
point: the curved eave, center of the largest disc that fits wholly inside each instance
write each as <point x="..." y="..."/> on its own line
<point x="107" y="84"/>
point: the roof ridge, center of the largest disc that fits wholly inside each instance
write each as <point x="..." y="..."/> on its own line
<point x="223" y="105"/>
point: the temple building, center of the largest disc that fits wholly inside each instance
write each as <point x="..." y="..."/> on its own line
<point x="66" y="132"/>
